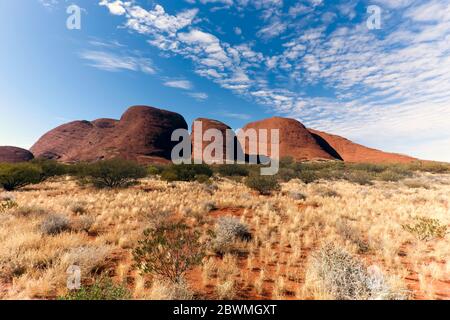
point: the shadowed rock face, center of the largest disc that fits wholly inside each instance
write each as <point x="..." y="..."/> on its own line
<point x="295" y="140"/>
<point x="353" y="152"/>
<point x="142" y="134"/>
<point x="14" y="155"/>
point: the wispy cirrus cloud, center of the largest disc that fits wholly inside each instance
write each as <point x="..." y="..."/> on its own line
<point x="113" y="62"/>
<point x="200" y="96"/>
<point x="179" y="84"/>
<point x="49" y="3"/>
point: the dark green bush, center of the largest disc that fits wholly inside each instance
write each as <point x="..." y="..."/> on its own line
<point x="263" y="184"/>
<point x="286" y="162"/>
<point x="367" y="167"/>
<point x="233" y="170"/>
<point x="202" y="178"/>
<point x="154" y="170"/>
<point x="185" y="172"/>
<point x="390" y="175"/>
<point x="360" y="177"/>
<point x="308" y="176"/>
<point x="15" y="176"/>
<point x="115" y="173"/>
<point x="50" y="168"/>
<point x="103" y="289"/>
<point x="286" y="174"/>
<point x="169" y="251"/>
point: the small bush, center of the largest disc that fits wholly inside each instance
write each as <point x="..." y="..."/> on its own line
<point x="83" y="223"/>
<point x="433" y="167"/>
<point x="116" y="173"/>
<point x="154" y="170"/>
<point x="15" y="176"/>
<point x="360" y="177"/>
<point x="78" y="207"/>
<point x="308" y="176"/>
<point x="91" y="259"/>
<point x="286" y="162"/>
<point x="169" y="251"/>
<point x="352" y="234"/>
<point x="7" y="204"/>
<point x="367" y="167"/>
<point x="286" y="174"/>
<point x="327" y="193"/>
<point x="55" y="224"/>
<point x="49" y="168"/>
<point x="185" y="172"/>
<point x="343" y="277"/>
<point x="103" y="289"/>
<point x="227" y="231"/>
<point x="233" y="170"/>
<point x="390" y="176"/>
<point x="427" y="229"/>
<point x="265" y="185"/>
<point x="297" y="196"/>
<point x="202" y="178"/>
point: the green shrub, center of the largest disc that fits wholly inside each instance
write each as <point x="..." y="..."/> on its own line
<point x="433" y="167"/>
<point x="154" y="170"/>
<point x="308" y="176"/>
<point x="7" y="204"/>
<point x="50" y="168"/>
<point x="202" y="178"/>
<point x="286" y="162"/>
<point x="390" y="176"/>
<point x="263" y="184"/>
<point x="286" y="174"/>
<point x="233" y="170"/>
<point x="103" y="289"/>
<point x="169" y="251"/>
<point x="360" y="177"/>
<point x="367" y="167"/>
<point x="427" y="229"/>
<point x="15" y="176"/>
<point x="185" y="172"/>
<point x="115" y="173"/>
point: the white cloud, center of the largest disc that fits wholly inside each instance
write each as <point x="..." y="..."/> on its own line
<point x="179" y="84"/>
<point x="112" y="62"/>
<point x="233" y="115"/>
<point x="49" y="3"/>
<point x="200" y="96"/>
<point x="115" y="7"/>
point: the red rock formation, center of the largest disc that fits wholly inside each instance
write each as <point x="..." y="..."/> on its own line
<point x="142" y="134"/>
<point x="353" y="152"/>
<point x="295" y="140"/>
<point x="14" y="155"/>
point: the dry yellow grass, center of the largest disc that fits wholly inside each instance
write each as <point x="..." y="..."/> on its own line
<point x="365" y="221"/>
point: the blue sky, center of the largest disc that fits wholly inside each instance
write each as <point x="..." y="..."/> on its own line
<point x="233" y="60"/>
